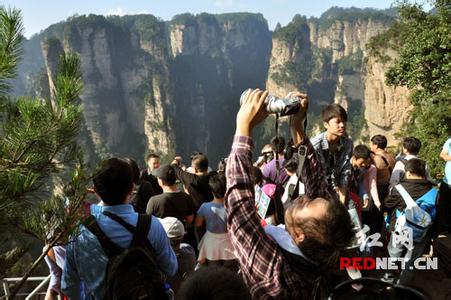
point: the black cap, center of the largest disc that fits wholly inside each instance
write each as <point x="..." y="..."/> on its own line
<point x="165" y="172"/>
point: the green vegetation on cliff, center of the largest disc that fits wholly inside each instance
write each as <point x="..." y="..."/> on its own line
<point x="353" y="15"/>
<point x="423" y="42"/>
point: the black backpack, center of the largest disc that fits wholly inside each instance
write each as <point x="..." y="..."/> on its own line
<point x="131" y="273"/>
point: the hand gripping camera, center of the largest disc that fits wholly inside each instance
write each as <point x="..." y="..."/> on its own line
<point x="274" y="105"/>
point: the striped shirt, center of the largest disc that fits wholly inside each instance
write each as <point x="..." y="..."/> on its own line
<point x="263" y="265"/>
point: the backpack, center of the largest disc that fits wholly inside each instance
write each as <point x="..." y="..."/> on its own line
<point x="131" y="273"/>
<point x="390" y="169"/>
<point x="415" y="216"/>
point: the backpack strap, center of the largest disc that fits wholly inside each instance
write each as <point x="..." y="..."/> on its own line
<point x="386" y="162"/>
<point x="405" y="196"/>
<point x="121" y="221"/>
<point x="110" y="248"/>
<point x="140" y="232"/>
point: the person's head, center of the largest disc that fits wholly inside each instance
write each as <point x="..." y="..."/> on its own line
<point x="411" y="145"/>
<point x="334" y="118"/>
<point x="278" y="144"/>
<point x="153" y="161"/>
<point x="200" y="163"/>
<point x="113" y="183"/>
<point x="268" y="153"/>
<point x="415" y="168"/>
<point x="291" y="167"/>
<point x="267" y="148"/>
<point x="361" y="156"/>
<point x="213" y="283"/>
<point x="165" y="175"/>
<point x="217" y="185"/>
<point x="135" y="169"/>
<point x="378" y="142"/>
<point x="174" y="230"/>
<point x="320" y="228"/>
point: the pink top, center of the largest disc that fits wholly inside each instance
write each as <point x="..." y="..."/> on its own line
<point x="371" y="184"/>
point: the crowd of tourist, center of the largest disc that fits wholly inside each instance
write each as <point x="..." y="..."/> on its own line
<point x="269" y="228"/>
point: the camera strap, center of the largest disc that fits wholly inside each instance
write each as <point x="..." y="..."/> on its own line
<point x="302" y="153"/>
<point x="276" y="155"/>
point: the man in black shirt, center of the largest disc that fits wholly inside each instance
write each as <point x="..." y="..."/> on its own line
<point x="197" y="183"/>
<point x="172" y="202"/>
<point x="153" y="162"/>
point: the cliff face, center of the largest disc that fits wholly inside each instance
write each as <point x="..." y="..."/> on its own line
<point x="214" y="60"/>
<point x="126" y="105"/>
<point x="386" y="108"/>
<point x="327" y="58"/>
<point x="169" y="87"/>
<point x="174" y="87"/>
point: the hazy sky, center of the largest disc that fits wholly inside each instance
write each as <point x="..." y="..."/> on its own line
<point x="39" y="14"/>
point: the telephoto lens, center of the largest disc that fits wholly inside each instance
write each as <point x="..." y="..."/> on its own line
<point x="274" y="105"/>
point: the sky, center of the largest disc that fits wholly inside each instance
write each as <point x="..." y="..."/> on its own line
<point x="38" y="15"/>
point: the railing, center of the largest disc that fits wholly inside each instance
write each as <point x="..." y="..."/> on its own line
<point x="7" y="281"/>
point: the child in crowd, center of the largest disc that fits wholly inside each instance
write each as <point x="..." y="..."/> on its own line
<point x="186" y="257"/>
<point x="215" y="246"/>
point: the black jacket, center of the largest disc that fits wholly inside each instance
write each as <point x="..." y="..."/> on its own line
<point x="145" y="176"/>
<point x="415" y="187"/>
<point x="197" y="186"/>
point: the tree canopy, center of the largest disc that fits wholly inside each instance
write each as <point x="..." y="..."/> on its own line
<point x="423" y="43"/>
<point x="38" y="152"/>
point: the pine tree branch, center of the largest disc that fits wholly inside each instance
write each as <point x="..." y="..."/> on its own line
<point x="35" y="265"/>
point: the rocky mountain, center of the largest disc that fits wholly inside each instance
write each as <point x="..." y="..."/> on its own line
<point x="174" y="87"/>
<point x="328" y="58"/>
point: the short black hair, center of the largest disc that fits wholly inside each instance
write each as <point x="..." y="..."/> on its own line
<point x="217" y="183"/>
<point x="278" y="144"/>
<point x="152" y="155"/>
<point x="412" y="145"/>
<point x="361" y="151"/>
<point x="200" y="162"/>
<point x="193" y="155"/>
<point x="170" y="179"/>
<point x="215" y="283"/>
<point x="334" y="111"/>
<point x="135" y="169"/>
<point x="380" y="141"/>
<point x="114" y="181"/>
<point x="416" y="166"/>
<point x="291" y="166"/>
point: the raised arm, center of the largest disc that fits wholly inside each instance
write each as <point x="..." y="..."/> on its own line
<point x="313" y="173"/>
<point x="257" y="253"/>
<point x="183" y="176"/>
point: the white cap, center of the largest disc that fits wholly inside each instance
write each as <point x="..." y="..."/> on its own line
<point x="173" y="227"/>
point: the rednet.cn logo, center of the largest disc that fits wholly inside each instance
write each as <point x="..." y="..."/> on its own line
<point x="388" y="263"/>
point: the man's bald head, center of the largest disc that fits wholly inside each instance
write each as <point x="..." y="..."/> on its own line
<point x="320" y="227"/>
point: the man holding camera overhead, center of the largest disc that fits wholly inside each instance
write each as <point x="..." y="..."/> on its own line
<point x="291" y="263"/>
